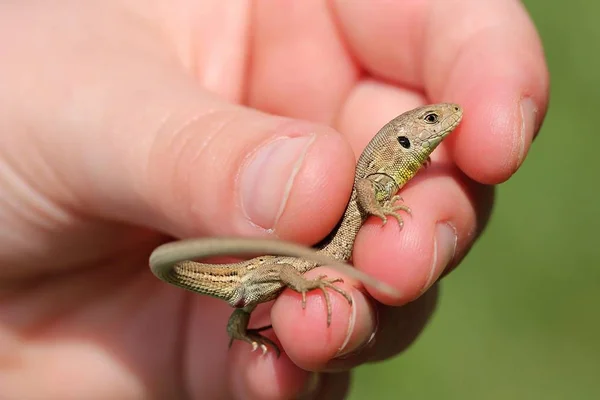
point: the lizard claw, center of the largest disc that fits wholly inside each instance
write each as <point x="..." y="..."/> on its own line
<point x="389" y="208"/>
<point x="256" y="340"/>
<point x="383" y="218"/>
<point x="262" y="346"/>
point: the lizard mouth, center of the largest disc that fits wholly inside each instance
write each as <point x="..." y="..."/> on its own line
<point x="453" y="119"/>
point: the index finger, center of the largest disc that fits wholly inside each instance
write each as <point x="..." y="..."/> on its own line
<point x="486" y="56"/>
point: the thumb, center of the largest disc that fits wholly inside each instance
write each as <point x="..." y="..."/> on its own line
<point x="147" y="146"/>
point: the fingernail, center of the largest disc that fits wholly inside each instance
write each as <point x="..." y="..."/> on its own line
<point x="444" y="247"/>
<point x="358" y="336"/>
<point x="268" y="178"/>
<point x="310" y="387"/>
<point x="528" y="118"/>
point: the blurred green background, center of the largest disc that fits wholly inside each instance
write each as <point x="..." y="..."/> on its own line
<point x="520" y="318"/>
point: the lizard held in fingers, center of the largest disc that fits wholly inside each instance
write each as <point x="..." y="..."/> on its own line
<point x="388" y="162"/>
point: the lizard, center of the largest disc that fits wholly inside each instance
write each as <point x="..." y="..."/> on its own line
<point x="392" y="157"/>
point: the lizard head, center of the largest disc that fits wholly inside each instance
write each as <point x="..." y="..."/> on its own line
<point x="404" y="144"/>
<point x="422" y="129"/>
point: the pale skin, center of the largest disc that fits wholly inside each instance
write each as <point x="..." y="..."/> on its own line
<point x="108" y="113"/>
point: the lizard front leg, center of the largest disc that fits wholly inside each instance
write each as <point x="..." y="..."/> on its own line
<point x="375" y="196"/>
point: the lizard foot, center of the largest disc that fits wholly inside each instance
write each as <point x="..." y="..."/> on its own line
<point x="302" y="285"/>
<point x="322" y="284"/>
<point x="237" y="328"/>
<point x="257" y="340"/>
<point x="389" y="208"/>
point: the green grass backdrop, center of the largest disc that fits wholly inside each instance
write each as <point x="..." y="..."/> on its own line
<point x="520" y="318"/>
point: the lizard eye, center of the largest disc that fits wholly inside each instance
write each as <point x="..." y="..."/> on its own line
<point x="404" y="142"/>
<point x="431" y="118"/>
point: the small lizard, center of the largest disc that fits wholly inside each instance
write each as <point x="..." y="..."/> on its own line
<point x="388" y="162"/>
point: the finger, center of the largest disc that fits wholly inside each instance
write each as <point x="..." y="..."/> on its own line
<point x="304" y="334"/>
<point x="255" y="375"/>
<point x="205" y="363"/>
<point x="151" y="148"/>
<point x="209" y="167"/>
<point x="398" y="328"/>
<point x="299" y="65"/>
<point x="368" y="332"/>
<point x="485" y="56"/>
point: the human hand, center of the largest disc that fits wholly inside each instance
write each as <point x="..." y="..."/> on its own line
<point x="120" y="122"/>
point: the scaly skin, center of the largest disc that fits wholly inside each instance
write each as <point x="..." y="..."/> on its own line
<point x="389" y="161"/>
